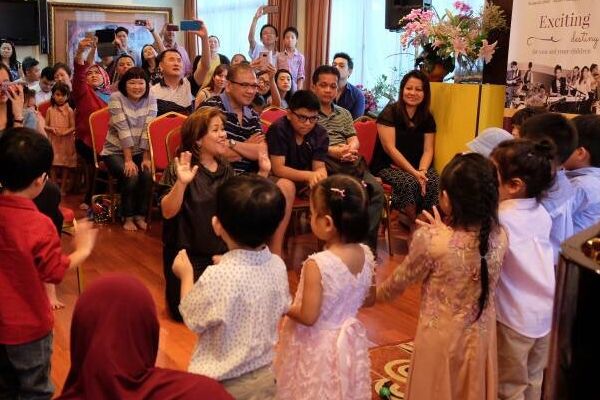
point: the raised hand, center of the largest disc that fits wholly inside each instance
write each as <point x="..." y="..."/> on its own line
<point x="432" y="220"/>
<point x="149" y="25"/>
<point x="183" y="165"/>
<point x="182" y="265"/>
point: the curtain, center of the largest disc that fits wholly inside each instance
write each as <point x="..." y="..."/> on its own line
<point x="191" y="43"/>
<point x="284" y="18"/>
<point x="318" y="19"/>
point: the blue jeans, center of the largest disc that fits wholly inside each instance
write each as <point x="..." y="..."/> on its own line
<point x="135" y="190"/>
<point x="25" y="370"/>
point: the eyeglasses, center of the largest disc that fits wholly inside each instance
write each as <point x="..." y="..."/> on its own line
<point x="303" y="118"/>
<point x="246" y="86"/>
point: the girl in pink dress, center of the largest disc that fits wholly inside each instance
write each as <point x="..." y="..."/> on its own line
<point x="458" y="260"/>
<point x="323" y="351"/>
<point x="60" y="127"/>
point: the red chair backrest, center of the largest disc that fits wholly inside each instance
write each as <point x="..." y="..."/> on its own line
<point x="43" y="107"/>
<point x="158" y="130"/>
<point x="272" y="114"/>
<point x="173" y="141"/>
<point x="366" y="131"/>
<point x="99" y="129"/>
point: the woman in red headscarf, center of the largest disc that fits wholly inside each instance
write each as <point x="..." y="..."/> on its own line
<point x="114" y="343"/>
<point x="91" y="91"/>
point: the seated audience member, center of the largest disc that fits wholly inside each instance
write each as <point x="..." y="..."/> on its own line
<point x="487" y="140"/>
<point x="291" y="59"/>
<point x="44" y="90"/>
<point x="245" y="136"/>
<point x="236" y="305"/>
<point x="31" y="72"/>
<point x="267" y="87"/>
<point x="63" y="73"/>
<point x="91" y="92"/>
<point x="126" y="151"/>
<point x="122" y="43"/>
<point x="149" y="55"/>
<point x="343" y="154"/>
<point x="521" y="116"/>
<point x="403" y="155"/>
<point x="215" y="59"/>
<point x="238" y="58"/>
<point x="190" y="185"/>
<point x="169" y="39"/>
<point x="216" y="85"/>
<point x="8" y="57"/>
<point x="29" y="240"/>
<point x="268" y="39"/>
<point x="242" y="125"/>
<point x="114" y="344"/>
<point x="583" y="170"/>
<point x="559" y="199"/>
<point x="283" y="81"/>
<point x="297" y="144"/>
<point x="348" y="95"/>
<point x="173" y="92"/>
<point x="123" y="63"/>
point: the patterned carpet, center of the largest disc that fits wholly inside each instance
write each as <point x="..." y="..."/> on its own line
<point x="390" y="363"/>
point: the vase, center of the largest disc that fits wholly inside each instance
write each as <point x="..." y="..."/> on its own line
<point x="468" y="70"/>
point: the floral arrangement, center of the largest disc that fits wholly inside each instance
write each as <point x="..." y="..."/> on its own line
<point x="462" y="33"/>
<point x="370" y="100"/>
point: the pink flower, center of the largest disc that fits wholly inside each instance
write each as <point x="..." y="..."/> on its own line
<point x="460" y="46"/>
<point x="462" y="7"/>
<point x="487" y="51"/>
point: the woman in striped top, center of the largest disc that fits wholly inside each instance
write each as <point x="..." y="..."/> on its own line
<point x="126" y="151"/>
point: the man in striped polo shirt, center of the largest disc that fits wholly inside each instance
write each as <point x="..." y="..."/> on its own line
<point x="246" y="140"/>
<point x="342" y="156"/>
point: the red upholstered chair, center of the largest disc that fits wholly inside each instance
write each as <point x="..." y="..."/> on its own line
<point x="270" y="115"/>
<point x="366" y="131"/>
<point x="172" y="142"/>
<point x="99" y="130"/>
<point x="43" y="107"/>
<point x="158" y="131"/>
<point x="69" y="227"/>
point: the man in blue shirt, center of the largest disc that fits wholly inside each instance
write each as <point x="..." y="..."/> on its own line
<point x="348" y="95"/>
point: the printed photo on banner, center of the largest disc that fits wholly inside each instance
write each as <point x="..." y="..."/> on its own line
<point x="553" y="56"/>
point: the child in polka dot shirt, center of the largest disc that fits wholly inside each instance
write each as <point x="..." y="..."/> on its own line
<point x="235" y="306"/>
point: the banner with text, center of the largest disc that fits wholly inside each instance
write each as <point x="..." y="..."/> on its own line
<point x="553" y="55"/>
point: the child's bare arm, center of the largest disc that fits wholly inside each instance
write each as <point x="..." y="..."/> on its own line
<point x="308" y="312"/>
<point x="85" y="239"/>
<point x="182" y="268"/>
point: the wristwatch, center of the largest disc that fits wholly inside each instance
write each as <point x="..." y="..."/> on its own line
<point x="232" y="143"/>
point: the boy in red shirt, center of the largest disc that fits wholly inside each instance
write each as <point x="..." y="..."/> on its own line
<point x="30" y="255"/>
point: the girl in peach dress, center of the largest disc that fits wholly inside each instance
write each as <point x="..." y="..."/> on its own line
<point x="459" y="263"/>
<point x="323" y="350"/>
<point x="60" y="127"/>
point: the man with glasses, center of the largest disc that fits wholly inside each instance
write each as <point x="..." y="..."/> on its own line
<point x="246" y="140"/>
<point x="342" y="154"/>
<point x="297" y="145"/>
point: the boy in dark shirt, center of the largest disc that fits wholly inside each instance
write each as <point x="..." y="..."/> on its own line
<point x="297" y="145"/>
